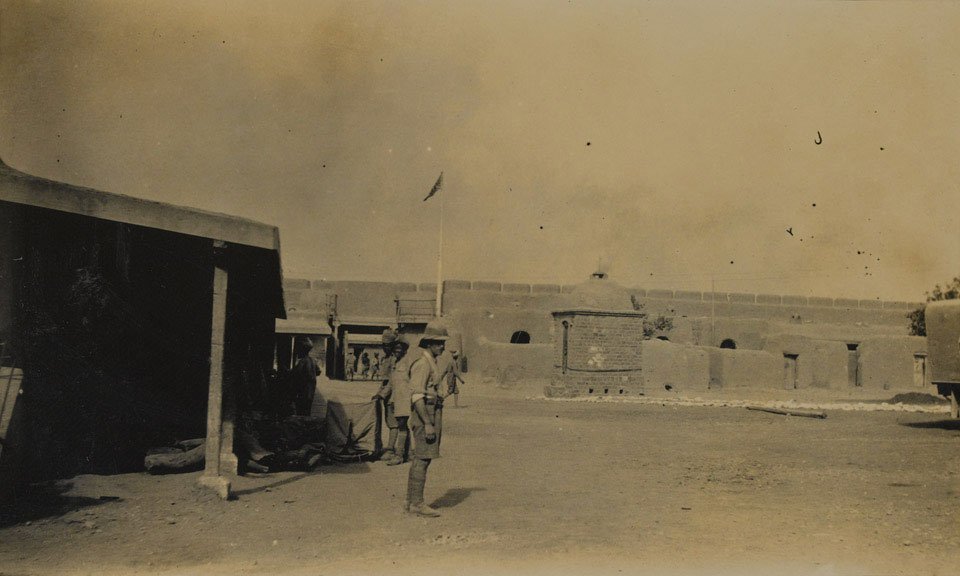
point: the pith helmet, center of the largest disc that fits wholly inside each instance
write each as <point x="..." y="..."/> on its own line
<point x="434" y="332"/>
<point x="389" y="337"/>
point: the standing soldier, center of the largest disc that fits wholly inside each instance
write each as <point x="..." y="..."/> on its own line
<point x="350" y="364"/>
<point x="395" y="350"/>
<point x="303" y="377"/>
<point x="426" y="416"/>
<point x="449" y="364"/>
<point x="375" y="366"/>
<point x="365" y="365"/>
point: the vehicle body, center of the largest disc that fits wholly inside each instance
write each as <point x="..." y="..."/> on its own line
<point x="943" y="348"/>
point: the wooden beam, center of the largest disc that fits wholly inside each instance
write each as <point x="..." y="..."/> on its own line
<point x="29" y="190"/>
<point x="789" y="412"/>
<point x="213" y="472"/>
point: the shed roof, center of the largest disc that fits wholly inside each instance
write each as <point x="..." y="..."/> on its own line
<point x="375" y="339"/>
<point x="25" y="189"/>
<point x="21" y="188"/>
<point x="303" y="325"/>
<point x="367" y="321"/>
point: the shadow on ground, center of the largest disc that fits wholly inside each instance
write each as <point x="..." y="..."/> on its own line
<point x="938" y="424"/>
<point x="337" y="468"/>
<point x="47" y="500"/>
<point x="270" y="486"/>
<point x="454" y="496"/>
<point x="343" y="468"/>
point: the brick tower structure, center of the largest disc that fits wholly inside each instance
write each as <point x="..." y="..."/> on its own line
<point x="597" y="343"/>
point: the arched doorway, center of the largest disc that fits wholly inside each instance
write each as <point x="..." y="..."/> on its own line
<point x="729" y="343"/>
<point x="520" y="337"/>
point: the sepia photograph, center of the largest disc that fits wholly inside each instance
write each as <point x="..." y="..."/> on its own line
<point x="525" y="287"/>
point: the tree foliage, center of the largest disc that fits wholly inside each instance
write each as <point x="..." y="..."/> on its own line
<point x="652" y="326"/>
<point x="918" y="321"/>
<point x="659" y="325"/>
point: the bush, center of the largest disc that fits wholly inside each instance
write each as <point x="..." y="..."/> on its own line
<point x="918" y="322"/>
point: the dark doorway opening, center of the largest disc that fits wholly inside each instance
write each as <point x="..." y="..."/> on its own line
<point x="520" y="337"/>
<point x="791" y="371"/>
<point x="853" y="364"/>
<point x="729" y="343"/>
<point x="566" y="336"/>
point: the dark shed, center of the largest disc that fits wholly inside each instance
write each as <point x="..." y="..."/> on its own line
<point x="133" y="323"/>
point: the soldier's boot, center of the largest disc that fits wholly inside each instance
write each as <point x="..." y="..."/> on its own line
<point x="424" y="510"/>
<point x="392" y="441"/>
<point x="394" y="460"/>
<point x="390" y="455"/>
<point x="403" y="437"/>
<point x="414" y="488"/>
<point x="390" y="451"/>
<point x="416" y="481"/>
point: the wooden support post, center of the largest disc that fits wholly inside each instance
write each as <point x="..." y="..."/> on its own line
<point x="229" y="463"/>
<point x="213" y="468"/>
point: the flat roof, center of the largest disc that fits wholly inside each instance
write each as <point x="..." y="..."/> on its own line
<point x="598" y="312"/>
<point x="367" y="321"/>
<point x="312" y="326"/>
<point x="376" y="339"/>
<point x="26" y="189"/>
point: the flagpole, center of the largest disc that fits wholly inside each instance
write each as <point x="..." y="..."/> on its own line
<point x="439" y="306"/>
<point x="713" y="310"/>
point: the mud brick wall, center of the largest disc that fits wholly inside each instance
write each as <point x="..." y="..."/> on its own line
<point x="603" y="354"/>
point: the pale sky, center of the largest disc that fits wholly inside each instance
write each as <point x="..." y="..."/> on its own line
<point x="676" y="142"/>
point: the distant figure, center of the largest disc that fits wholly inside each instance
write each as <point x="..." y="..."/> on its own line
<point x="375" y="366"/>
<point x="449" y="373"/>
<point x="303" y="377"/>
<point x="350" y="365"/>
<point x="365" y="365"/>
<point x="455" y="379"/>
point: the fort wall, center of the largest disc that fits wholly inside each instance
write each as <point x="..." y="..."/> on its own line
<point x="835" y="343"/>
<point x="888" y="363"/>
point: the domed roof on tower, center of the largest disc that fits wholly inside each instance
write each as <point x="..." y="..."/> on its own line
<point x="601" y="293"/>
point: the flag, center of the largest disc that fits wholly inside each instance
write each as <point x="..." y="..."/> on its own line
<point x="436" y="187"/>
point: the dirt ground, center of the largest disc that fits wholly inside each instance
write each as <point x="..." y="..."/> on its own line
<point x="534" y="486"/>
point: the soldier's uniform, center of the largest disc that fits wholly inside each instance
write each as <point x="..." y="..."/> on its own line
<point x="395" y="451"/>
<point x="350" y="365"/>
<point x="449" y="366"/>
<point x="303" y="377"/>
<point x="426" y="416"/>
<point x="426" y="382"/>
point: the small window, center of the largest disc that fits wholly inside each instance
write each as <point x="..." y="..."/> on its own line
<point x="520" y="337"/>
<point x="729" y="344"/>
